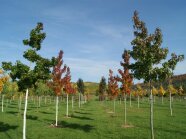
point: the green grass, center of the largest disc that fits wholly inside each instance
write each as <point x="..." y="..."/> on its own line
<point x="93" y="121"/>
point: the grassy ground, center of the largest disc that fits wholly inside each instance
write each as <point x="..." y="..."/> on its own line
<point x="95" y="120"/>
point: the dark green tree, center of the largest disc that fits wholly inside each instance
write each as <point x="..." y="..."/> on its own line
<point x="81" y="89"/>
<point x="149" y="57"/>
<point x="26" y="76"/>
<point x="102" y="88"/>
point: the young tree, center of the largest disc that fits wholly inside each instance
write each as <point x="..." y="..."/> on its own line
<point x="125" y="79"/>
<point x="139" y="92"/>
<point x="73" y="92"/>
<point x="10" y="88"/>
<point x="147" y="54"/>
<point x="154" y="92"/>
<point x="172" y="65"/>
<point x="3" y="79"/>
<point x="180" y="91"/>
<point x="23" y="74"/>
<point x="171" y="91"/>
<point x="68" y="88"/>
<point x="81" y="89"/>
<point x="112" y="86"/>
<point x="162" y="93"/>
<point x="58" y="81"/>
<point x="102" y="88"/>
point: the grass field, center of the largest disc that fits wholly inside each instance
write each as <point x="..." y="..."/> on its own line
<point x="95" y="121"/>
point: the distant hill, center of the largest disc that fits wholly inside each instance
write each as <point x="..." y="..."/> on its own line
<point x="177" y="81"/>
<point x="91" y="87"/>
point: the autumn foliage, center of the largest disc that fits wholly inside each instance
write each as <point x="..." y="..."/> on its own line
<point x="112" y="85"/>
<point x="3" y="80"/>
<point x="162" y="91"/>
<point x="58" y="82"/>
<point x="125" y="77"/>
<point x="68" y="87"/>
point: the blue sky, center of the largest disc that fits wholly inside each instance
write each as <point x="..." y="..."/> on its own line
<point x="92" y="33"/>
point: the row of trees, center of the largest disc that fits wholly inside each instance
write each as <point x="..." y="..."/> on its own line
<point x="40" y="78"/>
<point x="149" y="64"/>
<point x="139" y="92"/>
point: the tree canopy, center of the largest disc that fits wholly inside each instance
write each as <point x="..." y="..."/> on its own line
<point x="25" y="76"/>
<point x="80" y="86"/>
<point x="147" y="53"/>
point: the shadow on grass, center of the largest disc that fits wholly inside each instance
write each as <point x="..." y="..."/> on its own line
<point x="5" y="127"/>
<point x="31" y="117"/>
<point x="46" y="112"/>
<point x="82" y="118"/>
<point x="12" y="106"/>
<point x="11" y="112"/>
<point x="85" y="128"/>
<point x="83" y="112"/>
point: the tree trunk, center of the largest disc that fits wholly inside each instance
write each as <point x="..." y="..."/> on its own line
<point x="162" y="99"/>
<point x="138" y="101"/>
<point x="67" y="106"/>
<point x="151" y="112"/>
<point x="125" y="109"/>
<point x="24" y="116"/>
<point x="57" y="101"/>
<point x="2" y="103"/>
<point x="170" y="104"/>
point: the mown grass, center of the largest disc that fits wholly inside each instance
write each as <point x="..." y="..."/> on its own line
<point x="94" y="121"/>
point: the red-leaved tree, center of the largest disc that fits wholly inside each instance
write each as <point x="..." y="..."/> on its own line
<point x="112" y="86"/>
<point x="68" y="88"/>
<point x="58" y="81"/>
<point x="125" y="78"/>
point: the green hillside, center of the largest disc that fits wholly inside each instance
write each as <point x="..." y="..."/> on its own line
<point x="91" y="87"/>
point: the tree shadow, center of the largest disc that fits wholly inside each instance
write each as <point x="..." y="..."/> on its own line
<point x="12" y="112"/>
<point x="12" y="106"/>
<point x="83" y="112"/>
<point x="31" y="117"/>
<point x="5" y="127"/>
<point x="85" y="128"/>
<point x="82" y="118"/>
<point x="46" y="112"/>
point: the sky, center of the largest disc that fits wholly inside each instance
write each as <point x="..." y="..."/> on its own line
<point x="92" y="33"/>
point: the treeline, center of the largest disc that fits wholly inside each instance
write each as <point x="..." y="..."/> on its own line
<point x="177" y="81"/>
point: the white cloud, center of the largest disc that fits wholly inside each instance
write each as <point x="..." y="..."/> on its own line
<point x="91" y="70"/>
